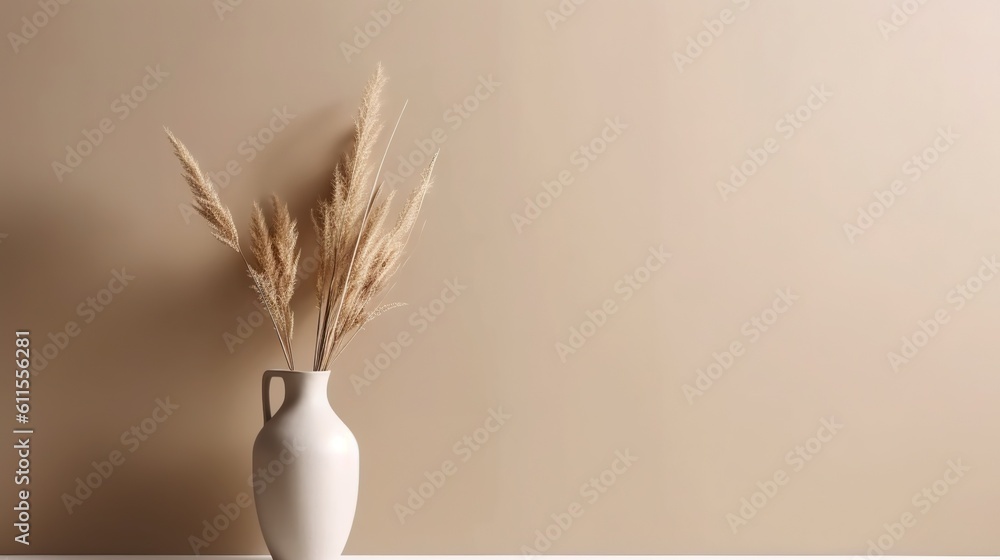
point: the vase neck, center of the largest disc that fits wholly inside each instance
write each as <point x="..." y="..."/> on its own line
<point x="301" y="387"/>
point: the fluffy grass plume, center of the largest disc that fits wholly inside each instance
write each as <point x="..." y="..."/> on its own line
<point x="358" y="252"/>
<point x="270" y="276"/>
<point x="359" y="255"/>
<point x="206" y="199"/>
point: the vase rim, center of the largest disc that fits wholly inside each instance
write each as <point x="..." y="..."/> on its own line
<point x="303" y="372"/>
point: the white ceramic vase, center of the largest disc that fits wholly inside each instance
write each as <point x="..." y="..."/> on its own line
<point x="306" y="471"/>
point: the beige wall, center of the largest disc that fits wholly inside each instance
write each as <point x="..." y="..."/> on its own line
<point x="826" y="355"/>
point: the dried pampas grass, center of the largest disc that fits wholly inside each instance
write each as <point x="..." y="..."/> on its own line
<point x="358" y="254"/>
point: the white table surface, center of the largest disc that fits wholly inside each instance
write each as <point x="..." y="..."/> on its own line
<point x="497" y="557"/>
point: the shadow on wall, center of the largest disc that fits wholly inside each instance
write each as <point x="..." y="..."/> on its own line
<point x="164" y="343"/>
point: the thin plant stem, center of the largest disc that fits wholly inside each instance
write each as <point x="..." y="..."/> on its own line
<point x="324" y="313"/>
<point x="270" y="314"/>
<point x="319" y="317"/>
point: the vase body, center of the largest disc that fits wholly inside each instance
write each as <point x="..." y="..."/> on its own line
<point x="306" y="469"/>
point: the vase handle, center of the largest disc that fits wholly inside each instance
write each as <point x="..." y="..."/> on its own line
<point x="266" y="392"/>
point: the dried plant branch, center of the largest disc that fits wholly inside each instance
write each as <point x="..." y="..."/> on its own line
<point x="210" y="207"/>
<point x="382" y="262"/>
<point x="348" y="341"/>
<point x="358" y="253"/>
<point x="206" y="199"/>
<point x="278" y="250"/>
<point x="287" y="257"/>
<point x="382" y="309"/>
<point x="332" y="339"/>
<point x="260" y="242"/>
